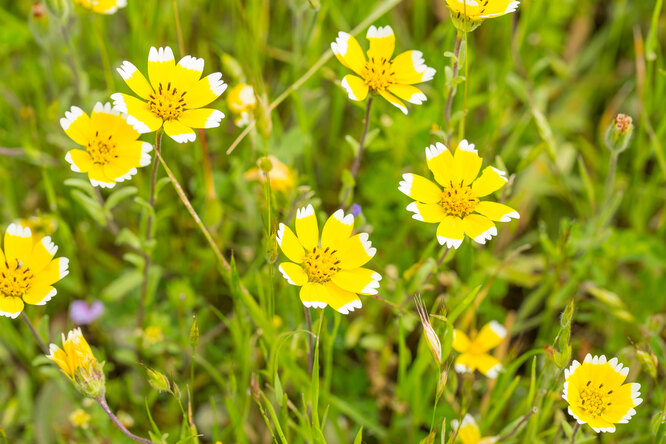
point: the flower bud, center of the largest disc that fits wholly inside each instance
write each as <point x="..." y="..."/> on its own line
<point x="431" y="337"/>
<point x="158" y="380"/>
<point x="619" y="132"/>
<point x="441" y="384"/>
<point x="194" y="334"/>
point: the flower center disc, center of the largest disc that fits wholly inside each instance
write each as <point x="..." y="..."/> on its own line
<point x="15" y="280"/>
<point x="167" y="102"/>
<point x="593" y="401"/>
<point x="378" y="73"/>
<point x="101" y="150"/>
<point x="321" y="264"/>
<point x="458" y="200"/>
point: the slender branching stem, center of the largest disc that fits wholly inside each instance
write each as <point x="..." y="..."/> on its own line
<point x="359" y="155"/>
<point x="575" y="432"/>
<point x="101" y="400"/>
<point x="41" y="343"/>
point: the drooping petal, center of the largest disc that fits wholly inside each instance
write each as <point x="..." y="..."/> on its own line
<point x="431" y="213"/>
<point x="450" y="232"/>
<point x="135" y="80"/>
<point x="348" y="51"/>
<point x="490" y="181"/>
<point x="187" y="71"/>
<point x="358" y="280"/>
<point x="289" y="244"/>
<point x="76" y="124"/>
<point x="337" y="229"/>
<point x="466" y="163"/>
<point x="382" y="42"/>
<point x="440" y="162"/>
<point x="393" y="100"/>
<point x="42" y="253"/>
<point x="355" y="251"/>
<point x="79" y="160"/>
<point x="490" y="336"/>
<point x="201" y="118"/>
<point x="410" y="68"/>
<point x="293" y="273"/>
<point x="496" y="211"/>
<point x="10" y="306"/>
<point x="307" y="228"/>
<point x="356" y="88"/>
<point x="419" y="188"/>
<point x="479" y="228"/>
<point x="139" y="114"/>
<point x="18" y="243"/>
<point x="205" y="91"/>
<point x="179" y="132"/>
<point x="409" y="93"/>
<point x="161" y="65"/>
<point x="39" y="295"/>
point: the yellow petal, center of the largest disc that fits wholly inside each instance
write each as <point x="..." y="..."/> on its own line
<point x="466" y="163"/>
<point x="440" y="162"/>
<point x="139" y="114"/>
<point x="307" y="228"/>
<point x="289" y="244"/>
<point x="179" y="132"/>
<point x="52" y="273"/>
<point x="98" y="177"/>
<point x="488" y="365"/>
<point x="18" y="243"/>
<point x="10" y="306"/>
<point x="358" y="280"/>
<point x="409" y="93"/>
<point x="201" y="118"/>
<point x="450" y="232"/>
<point x="42" y="253"/>
<point x="314" y="295"/>
<point x="348" y="52"/>
<point x="294" y="274"/>
<point x="356" y="88"/>
<point x="490" y="181"/>
<point x="419" y="188"/>
<point x="39" y="295"/>
<point x="431" y="213"/>
<point x="461" y="342"/>
<point x="187" y="71"/>
<point x="393" y="100"/>
<point x="161" y="65"/>
<point x="468" y="432"/>
<point x="496" y="211"/>
<point x="409" y="68"/>
<point x="135" y="80"/>
<point x="76" y="124"/>
<point x="337" y="229"/>
<point x="341" y="300"/>
<point x="490" y="336"/>
<point x="479" y="228"/>
<point x="205" y="91"/>
<point x="382" y="42"/>
<point x="355" y="251"/>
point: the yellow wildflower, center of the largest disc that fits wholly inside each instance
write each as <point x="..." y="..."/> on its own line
<point x="174" y="97"/>
<point x="469" y="433"/>
<point x="478" y="10"/>
<point x="112" y="152"/>
<point x="28" y="270"/>
<point x="280" y="177"/>
<point x="242" y="102"/>
<point x="454" y="208"/>
<point x="381" y="74"/>
<point x="79" y="418"/>
<point x="330" y="271"/>
<point x="474" y="352"/>
<point x="597" y="395"/>
<point x="102" y="6"/>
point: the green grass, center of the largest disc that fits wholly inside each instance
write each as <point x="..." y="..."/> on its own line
<point x="541" y="87"/>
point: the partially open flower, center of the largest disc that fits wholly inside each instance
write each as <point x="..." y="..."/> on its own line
<point x="77" y="362"/>
<point x="279" y="176"/>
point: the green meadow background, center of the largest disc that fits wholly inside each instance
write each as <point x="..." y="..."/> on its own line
<point x="541" y="87"/>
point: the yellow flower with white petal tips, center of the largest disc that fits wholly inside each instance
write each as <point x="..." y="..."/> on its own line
<point x="174" y="97"/>
<point x="102" y="6"/>
<point x="478" y="10"/>
<point x="28" y="270"/>
<point x="474" y="352"/>
<point x="379" y="73"/>
<point x="457" y="207"/>
<point x="242" y="102"/>
<point x="112" y="152"/>
<point x="597" y="395"/>
<point x="469" y="433"/>
<point x="330" y="271"/>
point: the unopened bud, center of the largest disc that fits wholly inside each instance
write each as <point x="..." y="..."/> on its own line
<point x="619" y="132"/>
<point x="254" y="389"/>
<point x="194" y="333"/>
<point x="441" y="384"/>
<point x="431" y="337"/>
<point x="90" y="380"/>
<point x="649" y="362"/>
<point x="158" y="380"/>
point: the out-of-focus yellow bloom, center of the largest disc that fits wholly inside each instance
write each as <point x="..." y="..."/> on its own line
<point x="40" y="225"/>
<point x="433" y="340"/>
<point x="474" y="352"/>
<point x="79" y="418"/>
<point x="242" y="101"/>
<point x="597" y="395"/>
<point x="28" y="270"/>
<point x="102" y="6"/>
<point x="153" y="335"/>
<point x="380" y="73"/>
<point x="469" y="432"/>
<point x="77" y="362"/>
<point x="330" y="272"/>
<point x="457" y="207"/>
<point x="280" y="177"/>
<point x="476" y="11"/>
<point x="112" y="152"/>
<point x="174" y="98"/>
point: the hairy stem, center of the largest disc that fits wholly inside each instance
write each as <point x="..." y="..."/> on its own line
<point x="102" y="403"/>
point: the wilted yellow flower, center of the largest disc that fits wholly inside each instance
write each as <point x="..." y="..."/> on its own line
<point x="381" y="74"/>
<point x="330" y="272"/>
<point x="280" y="177"/>
<point x="174" y="97"/>
<point x="242" y="102"/>
<point x="478" y="10"/>
<point x="77" y="362"/>
<point x="431" y="337"/>
<point x="597" y="395"/>
<point x="102" y="6"/>
<point x="469" y="432"/>
<point x="112" y="152"/>
<point x="474" y="352"/>
<point x="454" y="208"/>
<point x="28" y="270"/>
<point x="79" y="418"/>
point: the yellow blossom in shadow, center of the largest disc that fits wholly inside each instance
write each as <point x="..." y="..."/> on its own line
<point x="242" y="102"/>
<point x="280" y="177"/>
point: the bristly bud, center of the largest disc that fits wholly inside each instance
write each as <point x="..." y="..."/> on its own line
<point x="255" y="391"/>
<point x="441" y="384"/>
<point x="90" y="380"/>
<point x="649" y="362"/>
<point x="431" y="337"/>
<point x="194" y="333"/>
<point x="619" y="132"/>
<point x="158" y="380"/>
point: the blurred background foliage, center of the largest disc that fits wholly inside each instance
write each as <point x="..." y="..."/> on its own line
<point x="542" y="86"/>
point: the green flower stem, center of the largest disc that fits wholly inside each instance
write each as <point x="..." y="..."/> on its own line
<point x="575" y="432"/>
<point x="452" y="88"/>
<point x="41" y="343"/>
<point x="101" y="400"/>
<point x="349" y="189"/>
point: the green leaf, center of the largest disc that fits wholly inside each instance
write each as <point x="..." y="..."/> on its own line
<point x="118" y="196"/>
<point x="359" y="436"/>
